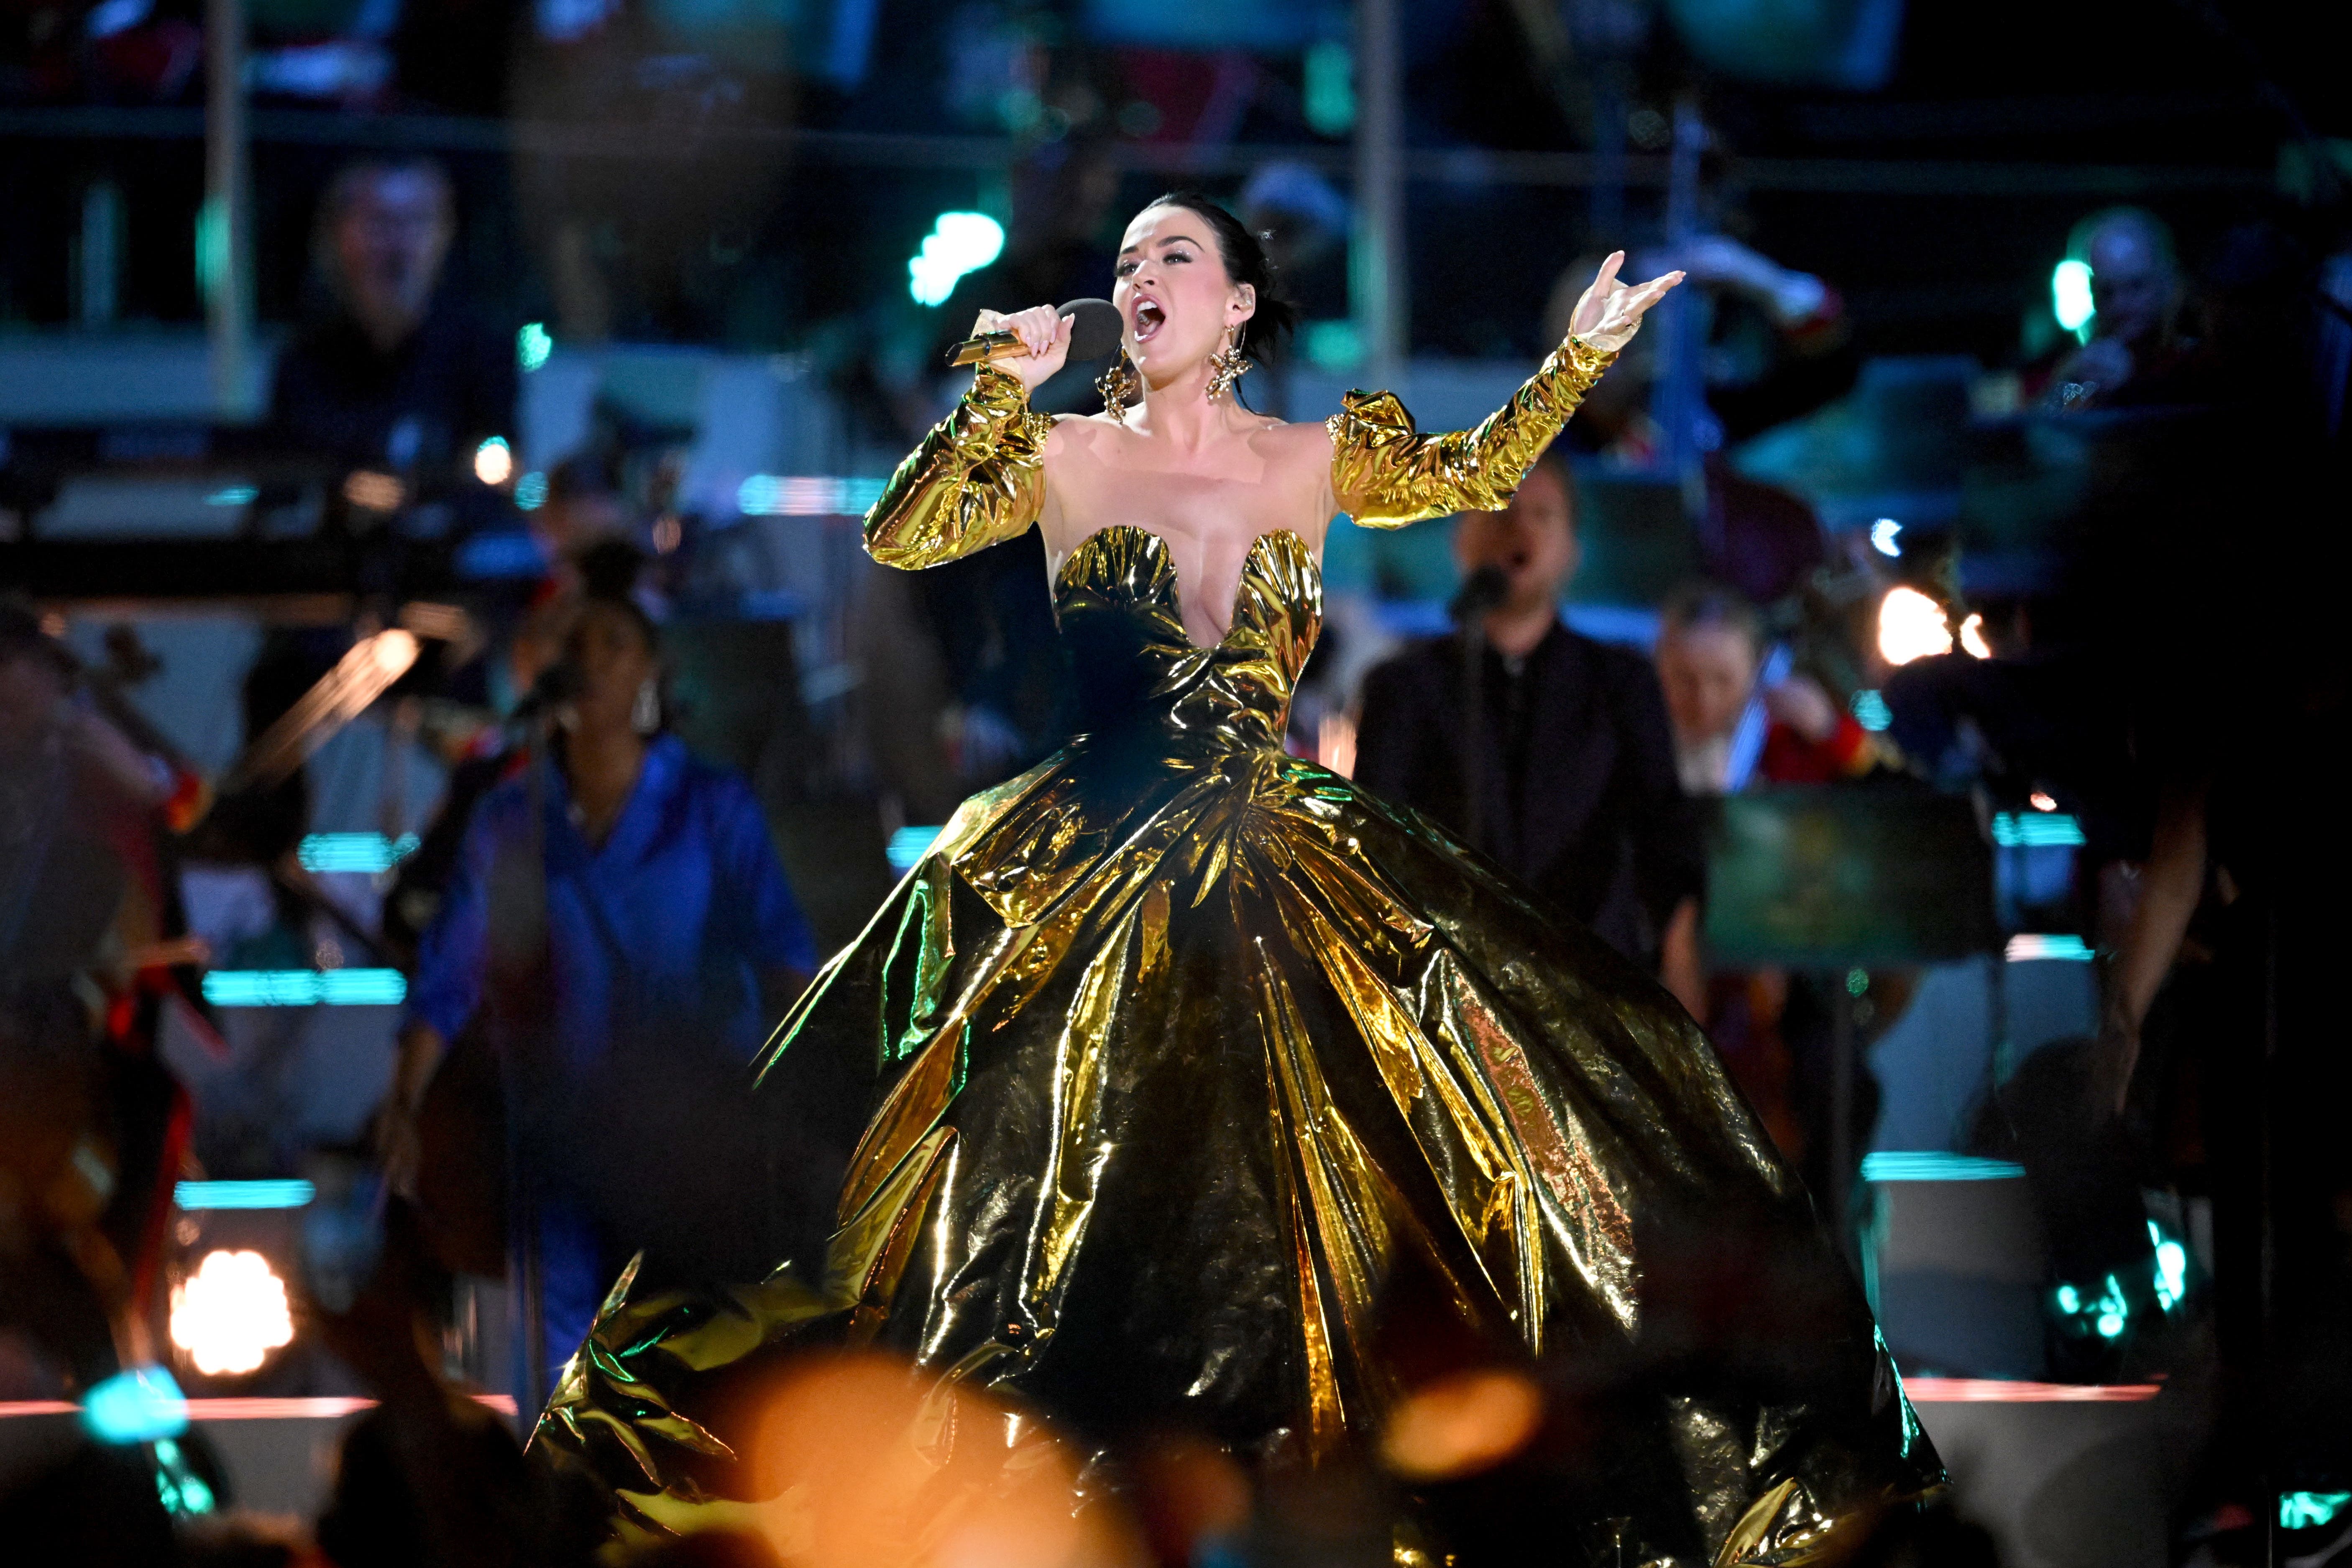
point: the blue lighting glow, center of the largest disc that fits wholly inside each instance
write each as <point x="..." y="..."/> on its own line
<point x="306" y="988"/>
<point x="959" y="242"/>
<point x="2032" y="945"/>
<point x="2034" y="830"/>
<point x="1883" y="536"/>
<point x="2107" y="1316"/>
<point x="530" y="491"/>
<point x="533" y="345"/>
<point x="1330" y="83"/>
<point x="285" y="1195"/>
<point x="1929" y="1165"/>
<point x="1336" y="345"/>
<point x="354" y="851"/>
<point x="1870" y="710"/>
<point x="2308" y="1510"/>
<point x="232" y="495"/>
<point x="805" y="495"/>
<point x="909" y="845"/>
<point x="182" y="1490"/>
<point x="2070" y="297"/>
<point x="2171" y="1267"/>
<point x="137" y="1406"/>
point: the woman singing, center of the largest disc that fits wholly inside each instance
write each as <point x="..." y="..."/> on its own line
<point x="1190" y="1051"/>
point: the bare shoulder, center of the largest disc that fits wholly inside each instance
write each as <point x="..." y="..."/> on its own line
<point x="1307" y="442"/>
<point x="1082" y="431"/>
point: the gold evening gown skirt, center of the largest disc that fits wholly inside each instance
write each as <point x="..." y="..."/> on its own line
<point x="1188" y="1048"/>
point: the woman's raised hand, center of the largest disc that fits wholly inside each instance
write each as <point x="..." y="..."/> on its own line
<point x="1046" y="332"/>
<point x="1610" y="312"/>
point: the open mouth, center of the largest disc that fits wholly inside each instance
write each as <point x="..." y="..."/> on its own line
<point x="1149" y="317"/>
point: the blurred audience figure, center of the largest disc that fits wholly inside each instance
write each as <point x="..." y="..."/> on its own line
<point x="1710" y="658"/>
<point x="2135" y="353"/>
<point x="1570" y="748"/>
<point x="93" y="945"/>
<point x="618" y="933"/>
<point x="393" y="377"/>
<point x="1739" y="723"/>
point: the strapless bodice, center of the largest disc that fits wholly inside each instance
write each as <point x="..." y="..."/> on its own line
<point x="1139" y="672"/>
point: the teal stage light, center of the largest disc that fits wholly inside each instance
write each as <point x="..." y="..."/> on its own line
<point x="2308" y="1510"/>
<point x="354" y="851"/>
<point x="306" y="988"/>
<point x="909" y="845"/>
<point x="138" y="1406"/>
<point x="2070" y="297"/>
<point x="959" y="242"/>
<point x="285" y="1195"/>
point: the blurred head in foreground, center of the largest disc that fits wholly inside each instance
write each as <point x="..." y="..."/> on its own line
<point x="383" y="232"/>
<point x="1532" y="541"/>
<point x="1708" y="639"/>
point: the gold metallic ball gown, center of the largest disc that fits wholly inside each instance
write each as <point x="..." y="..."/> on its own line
<point x="1186" y="1047"/>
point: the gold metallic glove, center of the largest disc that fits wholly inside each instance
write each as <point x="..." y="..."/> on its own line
<point x="1386" y="474"/>
<point x="978" y="479"/>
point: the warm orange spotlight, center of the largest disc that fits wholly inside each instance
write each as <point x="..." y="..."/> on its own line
<point x="865" y="1463"/>
<point x="1463" y="1423"/>
<point x="1911" y="625"/>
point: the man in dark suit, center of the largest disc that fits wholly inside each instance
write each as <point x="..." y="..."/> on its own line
<point x="1570" y="749"/>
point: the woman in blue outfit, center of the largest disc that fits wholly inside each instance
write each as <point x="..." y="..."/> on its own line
<point x="620" y="931"/>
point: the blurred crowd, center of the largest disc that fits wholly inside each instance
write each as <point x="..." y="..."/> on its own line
<point x="594" y="927"/>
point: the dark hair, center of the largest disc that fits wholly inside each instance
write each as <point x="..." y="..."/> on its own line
<point x="608" y="576"/>
<point x="1710" y="604"/>
<point x="1244" y="254"/>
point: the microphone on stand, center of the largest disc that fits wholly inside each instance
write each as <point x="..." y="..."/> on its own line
<point x="1483" y="590"/>
<point x="1094" y="332"/>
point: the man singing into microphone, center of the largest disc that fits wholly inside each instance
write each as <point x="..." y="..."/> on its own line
<point x="1548" y="751"/>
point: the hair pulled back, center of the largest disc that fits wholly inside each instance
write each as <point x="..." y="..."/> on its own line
<point x="1244" y="254"/>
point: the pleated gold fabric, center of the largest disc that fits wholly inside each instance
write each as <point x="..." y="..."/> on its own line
<point x="1187" y="1050"/>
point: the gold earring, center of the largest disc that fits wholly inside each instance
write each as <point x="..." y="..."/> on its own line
<point x="1226" y="366"/>
<point x="1121" y="386"/>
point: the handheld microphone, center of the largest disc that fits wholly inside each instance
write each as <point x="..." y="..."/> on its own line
<point x="1484" y="590"/>
<point x="1093" y="334"/>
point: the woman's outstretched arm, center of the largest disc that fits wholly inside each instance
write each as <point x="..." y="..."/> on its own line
<point x="977" y="479"/>
<point x="1385" y="473"/>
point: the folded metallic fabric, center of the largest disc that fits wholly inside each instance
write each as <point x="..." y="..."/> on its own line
<point x="1216" y="1094"/>
<point x="1386" y="474"/>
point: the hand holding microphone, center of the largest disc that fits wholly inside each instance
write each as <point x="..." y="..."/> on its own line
<point x="1033" y="343"/>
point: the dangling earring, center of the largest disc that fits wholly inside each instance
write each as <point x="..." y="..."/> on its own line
<point x="1226" y="366"/>
<point x="1121" y="386"/>
<point x="644" y="713"/>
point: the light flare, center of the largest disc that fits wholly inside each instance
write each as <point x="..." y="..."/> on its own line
<point x="231" y="1314"/>
<point x="494" y="461"/>
<point x="1911" y="625"/>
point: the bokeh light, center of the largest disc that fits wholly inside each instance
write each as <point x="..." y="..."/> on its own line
<point x="494" y="461"/>
<point x="1461" y="1425"/>
<point x="959" y="242"/>
<point x="1911" y="625"/>
<point x="231" y="1314"/>
<point x="2070" y="296"/>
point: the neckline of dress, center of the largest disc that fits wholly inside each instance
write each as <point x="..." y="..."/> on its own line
<point x="1175" y="579"/>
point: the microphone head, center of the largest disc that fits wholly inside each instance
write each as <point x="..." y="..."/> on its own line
<point x="1484" y="590"/>
<point x="1093" y="328"/>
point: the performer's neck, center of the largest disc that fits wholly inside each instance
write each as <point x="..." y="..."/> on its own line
<point x="1183" y="412"/>
<point x="1513" y="630"/>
